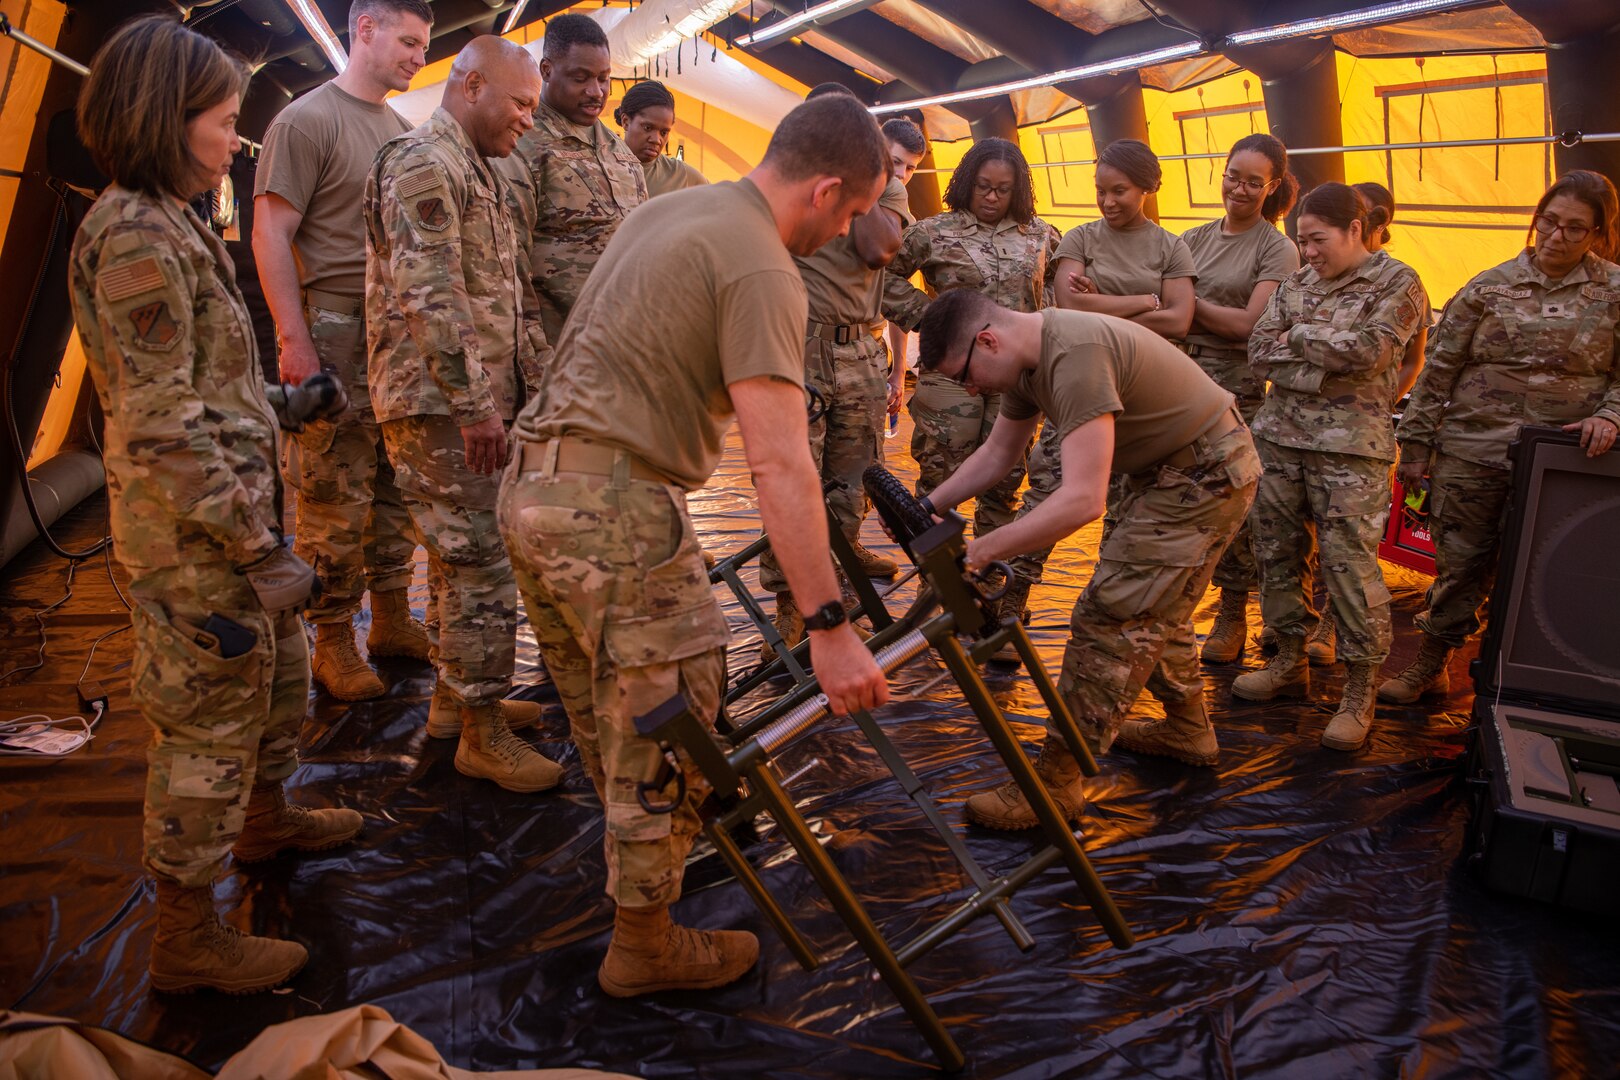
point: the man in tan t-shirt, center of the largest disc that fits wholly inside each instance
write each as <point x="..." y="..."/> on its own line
<point x="310" y="246"/>
<point x="1122" y="400"/>
<point x="695" y="315"/>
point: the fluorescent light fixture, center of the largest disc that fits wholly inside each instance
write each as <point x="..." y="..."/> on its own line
<point x="315" y="23"/>
<point x="514" y="15"/>
<point x="1087" y="71"/>
<point x="1346" y="20"/>
<point x="692" y="23"/>
<point x="793" y="22"/>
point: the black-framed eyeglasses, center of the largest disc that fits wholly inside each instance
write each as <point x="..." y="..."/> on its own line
<point x="1253" y="187"/>
<point x="973" y="343"/>
<point x="1546" y="226"/>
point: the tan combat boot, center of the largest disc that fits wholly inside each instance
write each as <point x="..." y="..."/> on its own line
<point x="490" y="751"/>
<point x="394" y="630"/>
<point x="337" y="665"/>
<point x="789" y="624"/>
<point x="1286" y="674"/>
<point x="1185" y="734"/>
<point x="649" y="952"/>
<point x="875" y="565"/>
<point x="1321" y="648"/>
<point x="1006" y="808"/>
<point x="1230" y="633"/>
<point x="193" y="950"/>
<point x="1350" y="724"/>
<point x="1012" y="605"/>
<point x="1426" y="675"/>
<point x="273" y="826"/>
<point x="444" y="722"/>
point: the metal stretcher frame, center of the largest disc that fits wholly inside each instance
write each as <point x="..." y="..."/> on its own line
<point x="738" y="765"/>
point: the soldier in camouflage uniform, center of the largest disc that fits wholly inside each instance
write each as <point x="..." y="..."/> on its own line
<point x="450" y="355"/>
<point x="990" y="241"/>
<point x="1529" y="341"/>
<point x="581" y="180"/>
<point x="221" y="666"/>
<point x="696" y="314"/>
<point x="1331" y="342"/>
<point x="1122" y="401"/>
<point x="309" y="246"/>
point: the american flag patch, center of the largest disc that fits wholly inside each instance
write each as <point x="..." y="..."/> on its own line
<point x="131" y="279"/>
<point x="417" y="182"/>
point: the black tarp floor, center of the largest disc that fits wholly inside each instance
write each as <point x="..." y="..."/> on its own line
<point x="1299" y="912"/>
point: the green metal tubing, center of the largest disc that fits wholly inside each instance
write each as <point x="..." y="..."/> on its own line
<point x="1040" y="800"/>
<point x="850" y="910"/>
<point x="720" y="836"/>
<point x="992" y="898"/>
<point x="1062" y="718"/>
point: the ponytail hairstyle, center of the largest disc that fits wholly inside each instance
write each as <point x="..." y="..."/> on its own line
<point x="646" y="94"/>
<point x="1281" y="198"/>
<point x="1133" y="158"/>
<point x="1595" y="190"/>
<point x="1337" y="204"/>
<point x="1380" y="211"/>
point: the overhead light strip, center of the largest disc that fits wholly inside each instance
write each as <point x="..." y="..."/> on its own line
<point x="793" y="22"/>
<point x="514" y="15"/>
<point x="1382" y="13"/>
<point x="316" y="26"/>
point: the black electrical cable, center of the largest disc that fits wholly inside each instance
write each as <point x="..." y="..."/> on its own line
<point x="11" y="412"/>
<point x="39" y="617"/>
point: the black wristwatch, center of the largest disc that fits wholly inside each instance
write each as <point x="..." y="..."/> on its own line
<point x="826" y="617"/>
<point x="927" y="505"/>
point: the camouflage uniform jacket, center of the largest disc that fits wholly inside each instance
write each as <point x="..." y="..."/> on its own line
<point x="1514" y="348"/>
<point x="579" y="189"/>
<point x="1008" y="262"/>
<point x="444" y="320"/>
<point x="191" y="436"/>
<point x="1332" y="350"/>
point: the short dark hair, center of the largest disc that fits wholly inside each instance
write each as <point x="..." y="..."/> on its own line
<point x="146" y="83"/>
<point x="823" y="89"/>
<point x="906" y="134"/>
<point x="563" y="32"/>
<point x="1136" y="160"/>
<point x="646" y="94"/>
<point x="1596" y="191"/>
<point x="1281" y="199"/>
<point x="381" y="9"/>
<point x="959" y="192"/>
<point x="833" y="135"/>
<point x="1337" y="204"/>
<point x="948" y="324"/>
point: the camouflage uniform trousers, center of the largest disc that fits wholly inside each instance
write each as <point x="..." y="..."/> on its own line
<point x="218" y="725"/>
<point x="853" y="381"/>
<point x="1343" y="499"/>
<point x="352" y="524"/>
<point x="1230" y="369"/>
<point x="1045" y="477"/>
<point x="949" y="424"/>
<point x="474" y="645"/>
<point x="1467" y="507"/>
<point x="613" y="580"/>
<point x="1132" y="625"/>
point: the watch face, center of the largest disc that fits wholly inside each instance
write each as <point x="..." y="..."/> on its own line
<point x="826" y="616"/>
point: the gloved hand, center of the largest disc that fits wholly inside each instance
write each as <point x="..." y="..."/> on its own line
<point x="319" y="397"/>
<point x="281" y="580"/>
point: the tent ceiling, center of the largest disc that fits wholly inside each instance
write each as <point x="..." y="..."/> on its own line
<point x="917" y="47"/>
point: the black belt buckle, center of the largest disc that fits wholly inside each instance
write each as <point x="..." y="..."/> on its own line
<point x="842" y="334"/>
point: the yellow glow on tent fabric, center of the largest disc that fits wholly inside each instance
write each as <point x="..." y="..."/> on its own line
<point x="28" y="71"/>
<point x="58" y="418"/>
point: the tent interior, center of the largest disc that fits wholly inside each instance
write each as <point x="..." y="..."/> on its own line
<point x="1296" y="911"/>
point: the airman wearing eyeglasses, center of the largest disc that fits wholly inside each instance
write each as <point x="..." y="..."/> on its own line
<point x="1529" y="341"/>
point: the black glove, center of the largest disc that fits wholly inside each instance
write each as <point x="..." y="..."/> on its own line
<point x="319" y="397"/>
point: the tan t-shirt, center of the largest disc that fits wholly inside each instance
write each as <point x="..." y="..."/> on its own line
<point x="317" y="155"/>
<point x="667" y="174"/>
<point x="1095" y="364"/>
<point x="842" y="288"/>
<point x="1127" y="262"/>
<point x="1229" y="267"/>
<point x="694" y="292"/>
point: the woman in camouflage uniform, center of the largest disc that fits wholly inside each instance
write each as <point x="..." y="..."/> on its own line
<point x="991" y="241"/>
<point x="221" y="666"/>
<point x="1330" y="342"/>
<point x="1529" y="341"/>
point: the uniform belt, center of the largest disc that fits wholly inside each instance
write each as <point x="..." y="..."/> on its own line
<point x="1211" y="350"/>
<point x="1187" y="456"/>
<point x="576" y="455"/>
<point x="352" y="306"/>
<point x="837" y="333"/>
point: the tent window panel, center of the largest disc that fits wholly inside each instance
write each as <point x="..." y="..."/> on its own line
<point x="1473" y="179"/>
<point x="1068" y="187"/>
<point x="1211" y="131"/>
